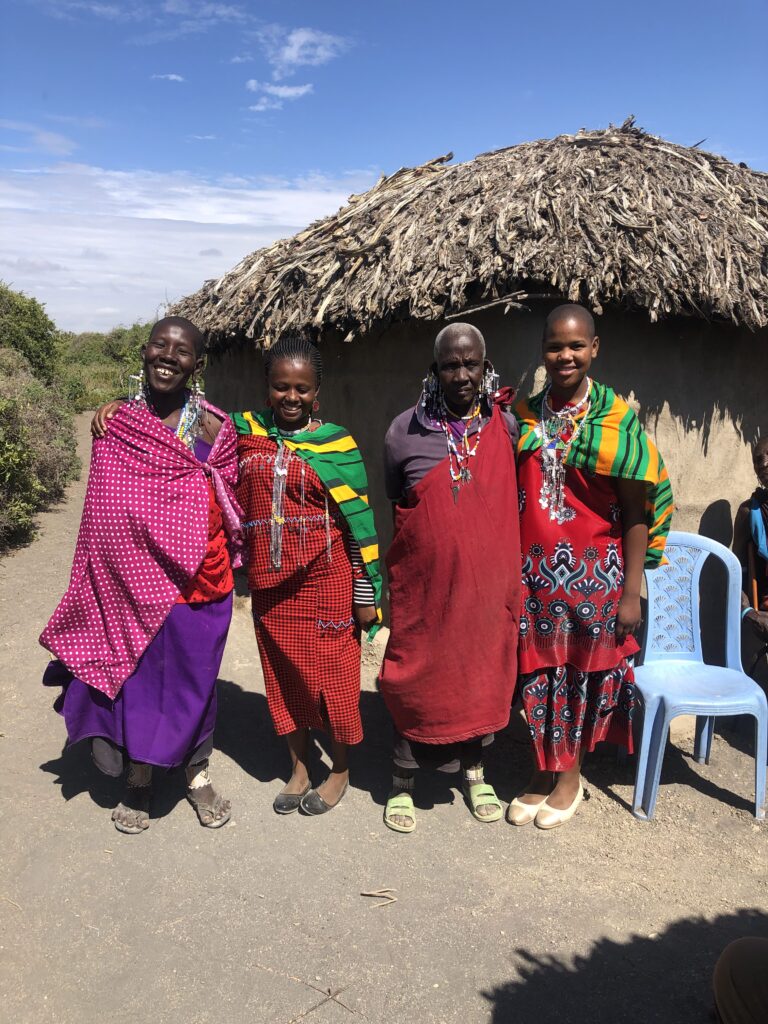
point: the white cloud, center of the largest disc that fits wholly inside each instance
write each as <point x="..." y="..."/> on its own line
<point x="37" y="138"/>
<point x="203" y="138"/>
<point x="170" y="78"/>
<point x="273" y="96"/>
<point x="241" y="58"/>
<point x="289" y="49"/>
<point x="282" y="92"/>
<point x="77" y="121"/>
<point x="101" y="247"/>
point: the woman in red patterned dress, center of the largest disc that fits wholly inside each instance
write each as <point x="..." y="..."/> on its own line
<point x="584" y="538"/>
<point x="312" y="592"/>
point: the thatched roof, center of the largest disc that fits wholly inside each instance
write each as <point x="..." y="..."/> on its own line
<point x="601" y="217"/>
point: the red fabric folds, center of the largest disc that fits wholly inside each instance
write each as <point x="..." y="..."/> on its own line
<point x="450" y="666"/>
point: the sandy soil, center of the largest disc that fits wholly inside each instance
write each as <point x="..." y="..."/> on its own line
<point x="606" y="919"/>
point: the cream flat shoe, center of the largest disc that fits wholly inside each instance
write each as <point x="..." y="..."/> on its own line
<point x="551" y="817"/>
<point x="519" y="813"/>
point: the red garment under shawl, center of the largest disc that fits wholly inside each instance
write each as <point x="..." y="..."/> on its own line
<point x="450" y="666"/>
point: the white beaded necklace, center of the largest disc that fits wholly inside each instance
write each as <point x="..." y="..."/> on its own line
<point x="558" y="430"/>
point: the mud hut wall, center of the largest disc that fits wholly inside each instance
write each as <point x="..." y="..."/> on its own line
<point x="697" y="388"/>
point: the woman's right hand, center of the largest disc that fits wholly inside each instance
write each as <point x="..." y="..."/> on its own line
<point x="102" y="416"/>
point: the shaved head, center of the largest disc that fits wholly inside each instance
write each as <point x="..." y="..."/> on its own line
<point x="452" y="333"/>
<point x="187" y="326"/>
<point x="570" y="311"/>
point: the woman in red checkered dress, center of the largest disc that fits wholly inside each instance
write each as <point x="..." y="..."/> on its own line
<point x="311" y="592"/>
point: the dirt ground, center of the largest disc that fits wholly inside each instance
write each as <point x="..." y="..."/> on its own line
<point x="605" y="919"/>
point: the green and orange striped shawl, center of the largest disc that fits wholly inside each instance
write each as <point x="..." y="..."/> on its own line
<point x="611" y="442"/>
<point x="331" y="451"/>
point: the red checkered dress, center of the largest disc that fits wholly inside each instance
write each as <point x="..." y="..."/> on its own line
<point x="308" y="641"/>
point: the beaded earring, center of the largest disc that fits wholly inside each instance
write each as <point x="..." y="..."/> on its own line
<point x="136" y="386"/>
<point x="431" y="395"/>
<point x="490" y="385"/>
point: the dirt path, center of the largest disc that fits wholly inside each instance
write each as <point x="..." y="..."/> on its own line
<point x="605" y="919"/>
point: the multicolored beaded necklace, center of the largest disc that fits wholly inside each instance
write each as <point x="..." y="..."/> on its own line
<point x="558" y="430"/>
<point x="460" y="454"/>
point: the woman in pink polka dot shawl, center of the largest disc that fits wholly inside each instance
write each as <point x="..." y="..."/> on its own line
<point x="140" y="633"/>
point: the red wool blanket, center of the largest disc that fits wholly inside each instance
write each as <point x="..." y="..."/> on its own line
<point x="450" y="666"/>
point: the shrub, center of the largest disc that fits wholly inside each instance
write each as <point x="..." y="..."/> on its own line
<point x="37" y="447"/>
<point x="95" y="367"/>
<point x="25" y="326"/>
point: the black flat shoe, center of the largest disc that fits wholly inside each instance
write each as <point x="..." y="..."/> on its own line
<point x="287" y="803"/>
<point x="313" y="803"/>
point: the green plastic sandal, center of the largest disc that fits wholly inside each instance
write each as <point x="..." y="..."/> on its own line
<point x="400" y="804"/>
<point x="481" y="794"/>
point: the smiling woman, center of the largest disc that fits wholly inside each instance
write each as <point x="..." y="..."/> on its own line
<point x="312" y="567"/>
<point x="140" y="633"/>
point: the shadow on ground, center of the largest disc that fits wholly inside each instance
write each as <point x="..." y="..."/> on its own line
<point x="245" y="734"/>
<point x="664" y="978"/>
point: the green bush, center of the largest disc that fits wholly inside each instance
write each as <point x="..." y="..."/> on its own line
<point x="95" y="367"/>
<point x="24" y="326"/>
<point x="37" y="447"/>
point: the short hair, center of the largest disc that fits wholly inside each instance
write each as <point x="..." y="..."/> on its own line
<point x="455" y="331"/>
<point x="571" y="311"/>
<point x="298" y="348"/>
<point x="180" y="321"/>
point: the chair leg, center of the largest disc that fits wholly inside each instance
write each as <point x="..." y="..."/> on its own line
<point x="761" y="755"/>
<point x="651" y="712"/>
<point x="702" y="748"/>
<point x="659" y="738"/>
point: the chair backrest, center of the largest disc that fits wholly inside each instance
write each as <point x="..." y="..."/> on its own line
<point x="673" y="628"/>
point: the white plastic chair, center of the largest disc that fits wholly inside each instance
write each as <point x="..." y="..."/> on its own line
<point x="673" y="679"/>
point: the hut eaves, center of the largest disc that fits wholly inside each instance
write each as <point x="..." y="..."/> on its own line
<point x="615" y="216"/>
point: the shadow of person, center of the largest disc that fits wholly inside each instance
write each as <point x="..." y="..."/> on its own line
<point x="77" y="774"/>
<point x="656" y="979"/>
<point x="244" y="732"/>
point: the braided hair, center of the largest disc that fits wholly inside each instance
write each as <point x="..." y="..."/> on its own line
<point x="298" y="348"/>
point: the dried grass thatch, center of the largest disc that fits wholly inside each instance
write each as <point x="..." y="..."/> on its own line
<point x="613" y="216"/>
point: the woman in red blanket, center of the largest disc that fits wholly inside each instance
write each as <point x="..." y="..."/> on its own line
<point x="454" y="575"/>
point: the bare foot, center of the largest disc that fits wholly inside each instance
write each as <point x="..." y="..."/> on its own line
<point x="539" y="787"/>
<point x="298" y="782"/>
<point x="131" y="815"/>
<point x="564" y="793"/>
<point x="212" y="809"/>
<point x="332" y="790"/>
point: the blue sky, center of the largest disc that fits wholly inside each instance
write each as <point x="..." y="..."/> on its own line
<point x="147" y="146"/>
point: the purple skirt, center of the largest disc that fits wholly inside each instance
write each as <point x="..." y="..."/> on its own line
<point x="167" y="708"/>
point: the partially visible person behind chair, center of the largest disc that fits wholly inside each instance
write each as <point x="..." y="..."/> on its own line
<point x="740" y="982"/>
<point x="750" y="545"/>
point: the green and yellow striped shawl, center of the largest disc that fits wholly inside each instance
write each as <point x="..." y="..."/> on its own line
<point x="611" y="442"/>
<point x="331" y="451"/>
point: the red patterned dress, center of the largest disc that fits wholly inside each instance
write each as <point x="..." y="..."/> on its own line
<point x="308" y="640"/>
<point x="576" y="681"/>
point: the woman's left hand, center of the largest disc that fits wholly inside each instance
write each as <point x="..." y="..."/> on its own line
<point x="629" y="616"/>
<point x="365" y="615"/>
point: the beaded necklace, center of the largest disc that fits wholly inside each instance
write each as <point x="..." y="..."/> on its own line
<point x="459" y="455"/>
<point x="188" y="428"/>
<point x="558" y="430"/>
<point x="277" y="518"/>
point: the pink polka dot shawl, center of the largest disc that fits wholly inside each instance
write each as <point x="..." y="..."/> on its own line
<point x="143" y="536"/>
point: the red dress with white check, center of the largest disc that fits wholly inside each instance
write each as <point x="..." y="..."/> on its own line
<point x="306" y="632"/>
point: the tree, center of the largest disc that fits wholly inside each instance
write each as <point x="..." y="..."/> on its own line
<point x="25" y="326"/>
